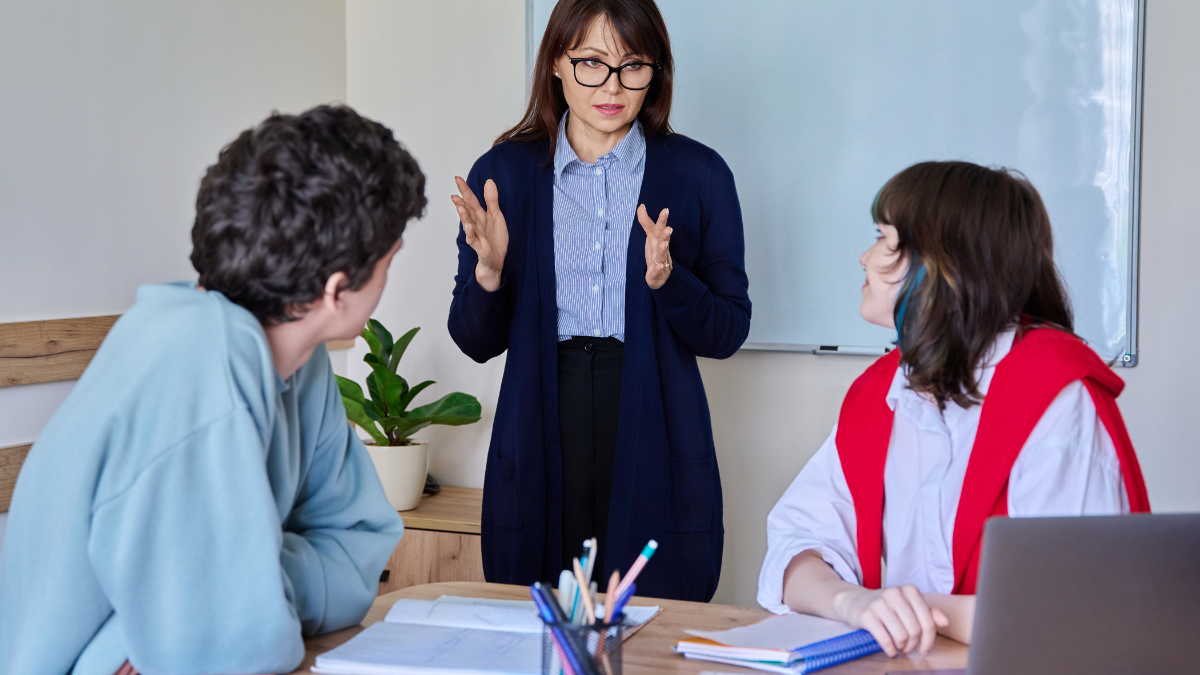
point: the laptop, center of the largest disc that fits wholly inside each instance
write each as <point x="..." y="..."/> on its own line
<point x="1090" y="595"/>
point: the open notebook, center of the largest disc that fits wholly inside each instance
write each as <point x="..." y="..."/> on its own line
<point x="451" y="635"/>
<point x="792" y="643"/>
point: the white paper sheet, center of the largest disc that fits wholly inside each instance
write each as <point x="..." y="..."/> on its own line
<point x="787" y="632"/>
<point x="517" y="616"/>
<point x="450" y="636"/>
<point x="404" y="649"/>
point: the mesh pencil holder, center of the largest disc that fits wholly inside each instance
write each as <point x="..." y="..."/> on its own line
<point x="574" y="649"/>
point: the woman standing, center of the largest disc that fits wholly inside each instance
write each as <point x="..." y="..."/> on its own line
<point x="602" y="427"/>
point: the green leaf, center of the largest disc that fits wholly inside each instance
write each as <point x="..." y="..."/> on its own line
<point x="375" y="390"/>
<point x="373" y="344"/>
<point x="399" y="347"/>
<point x="391" y="388"/>
<point x="371" y="359"/>
<point x="350" y="389"/>
<point x="412" y="394"/>
<point x="400" y="438"/>
<point x="400" y="428"/>
<point x="452" y="410"/>
<point x="385" y="339"/>
<point x="373" y="410"/>
<point x="356" y="414"/>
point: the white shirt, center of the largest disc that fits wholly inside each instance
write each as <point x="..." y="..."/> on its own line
<point x="1067" y="467"/>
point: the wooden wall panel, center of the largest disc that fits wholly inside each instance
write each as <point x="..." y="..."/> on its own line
<point x="426" y="557"/>
<point x="11" y="459"/>
<point x="60" y="349"/>
<point x="49" y="351"/>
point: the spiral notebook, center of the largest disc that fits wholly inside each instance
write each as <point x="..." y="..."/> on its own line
<point x="793" y="643"/>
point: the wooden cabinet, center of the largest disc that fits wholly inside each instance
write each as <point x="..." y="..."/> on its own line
<point x="441" y="542"/>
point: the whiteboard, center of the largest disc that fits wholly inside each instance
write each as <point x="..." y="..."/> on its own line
<point x="816" y="103"/>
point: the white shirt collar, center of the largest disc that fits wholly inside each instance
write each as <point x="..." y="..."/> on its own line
<point x="983" y="372"/>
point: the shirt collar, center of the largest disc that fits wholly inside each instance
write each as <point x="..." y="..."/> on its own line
<point x="983" y="373"/>
<point x="629" y="152"/>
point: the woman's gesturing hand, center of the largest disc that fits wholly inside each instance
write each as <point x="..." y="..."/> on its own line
<point x="898" y="618"/>
<point x="485" y="230"/>
<point x="658" y="252"/>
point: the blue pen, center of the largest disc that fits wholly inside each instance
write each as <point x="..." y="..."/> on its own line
<point x="552" y="614"/>
<point x="623" y="600"/>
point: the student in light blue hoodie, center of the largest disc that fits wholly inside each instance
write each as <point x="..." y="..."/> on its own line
<point x="199" y="503"/>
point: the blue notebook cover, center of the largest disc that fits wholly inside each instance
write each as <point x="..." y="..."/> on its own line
<point x="837" y="650"/>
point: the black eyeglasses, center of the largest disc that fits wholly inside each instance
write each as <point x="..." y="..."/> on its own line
<point x="594" y="73"/>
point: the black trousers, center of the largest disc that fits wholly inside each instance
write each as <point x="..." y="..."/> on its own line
<point x="589" y="402"/>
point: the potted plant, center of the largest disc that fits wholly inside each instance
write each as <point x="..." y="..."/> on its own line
<point x="400" y="460"/>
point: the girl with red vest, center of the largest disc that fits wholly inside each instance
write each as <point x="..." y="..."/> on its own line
<point x="989" y="406"/>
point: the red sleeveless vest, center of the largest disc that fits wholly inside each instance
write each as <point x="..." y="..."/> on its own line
<point x="1025" y="383"/>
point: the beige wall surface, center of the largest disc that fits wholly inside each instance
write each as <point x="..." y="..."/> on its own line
<point x="447" y="77"/>
<point x="1163" y="391"/>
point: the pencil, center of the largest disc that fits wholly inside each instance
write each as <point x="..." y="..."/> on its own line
<point x="638" y="564"/>
<point x="585" y="592"/>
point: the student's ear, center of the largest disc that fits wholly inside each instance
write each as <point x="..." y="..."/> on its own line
<point x="335" y="286"/>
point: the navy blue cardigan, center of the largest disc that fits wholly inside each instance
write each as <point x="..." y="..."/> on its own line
<point x="665" y="484"/>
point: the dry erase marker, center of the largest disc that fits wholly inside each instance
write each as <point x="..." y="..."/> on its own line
<point x="589" y="565"/>
<point x="638" y="564"/>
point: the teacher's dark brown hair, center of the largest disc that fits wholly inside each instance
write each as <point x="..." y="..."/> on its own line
<point x="637" y="23"/>
<point x="983" y="237"/>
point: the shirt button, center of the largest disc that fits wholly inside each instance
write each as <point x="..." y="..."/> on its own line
<point x="595" y="289"/>
<point x="599" y="171"/>
<point x="597" y="246"/>
<point x="596" y="332"/>
<point x="600" y="212"/>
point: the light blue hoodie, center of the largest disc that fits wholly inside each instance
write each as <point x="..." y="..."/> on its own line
<point x="189" y="510"/>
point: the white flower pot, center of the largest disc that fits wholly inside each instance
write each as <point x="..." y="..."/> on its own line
<point x="402" y="470"/>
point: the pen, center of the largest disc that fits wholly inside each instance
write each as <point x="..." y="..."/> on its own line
<point x="590" y="564"/>
<point x="623" y="600"/>
<point x="554" y="637"/>
<point x="552" y="614"/>
<point x="638" y="564"/>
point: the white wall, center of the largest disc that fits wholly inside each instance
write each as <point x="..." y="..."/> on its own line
<point x="447" y="77"/>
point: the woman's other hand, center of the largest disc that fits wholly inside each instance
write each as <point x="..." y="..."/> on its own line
<point x="658" y="252"/>
<point x="899" y="618"/>
<point x="485" y="230"/>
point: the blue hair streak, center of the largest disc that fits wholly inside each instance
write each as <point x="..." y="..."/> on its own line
<point x="908" y="289"/>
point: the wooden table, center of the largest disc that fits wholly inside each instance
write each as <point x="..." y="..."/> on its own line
<point x="441" y="541"/>
<point x="649" y="651"/>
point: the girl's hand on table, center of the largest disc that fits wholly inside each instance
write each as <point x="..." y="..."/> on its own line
<point x="899" y="618"/>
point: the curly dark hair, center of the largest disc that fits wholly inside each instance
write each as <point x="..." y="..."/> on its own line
<point x="294" y="200"/>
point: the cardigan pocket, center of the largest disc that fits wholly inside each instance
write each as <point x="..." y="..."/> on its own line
<point x="689" y="506"/>
<point x="505" y="507"/>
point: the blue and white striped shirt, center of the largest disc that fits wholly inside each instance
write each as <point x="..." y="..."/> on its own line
<point x="594" y="208"/>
